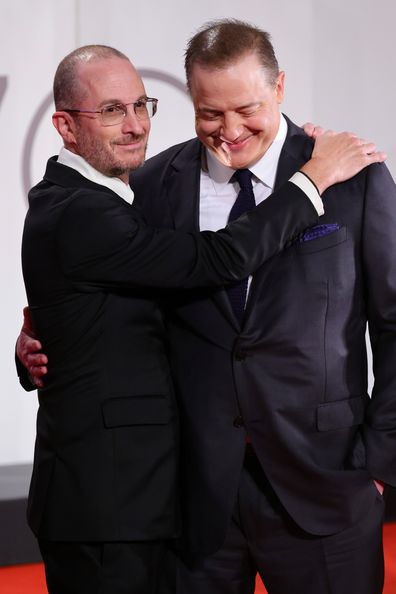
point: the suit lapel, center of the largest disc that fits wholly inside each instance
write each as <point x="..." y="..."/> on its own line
<point x="183" y="190"/>
<point x="295" y="152"/>
<point x="182" y="187"/>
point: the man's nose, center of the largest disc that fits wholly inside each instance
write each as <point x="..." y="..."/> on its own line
<point x="232" y="126"/>
<point x="131" y="123"/>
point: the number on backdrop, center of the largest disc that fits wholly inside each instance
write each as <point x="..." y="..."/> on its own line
<point x="3" y="86"/>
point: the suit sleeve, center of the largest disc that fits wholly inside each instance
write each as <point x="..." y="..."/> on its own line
<point x="379" y="252"/>
<point x="103" y="241"/>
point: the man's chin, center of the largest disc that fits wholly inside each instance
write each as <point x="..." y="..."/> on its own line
<point x="120" y="170"/>
<point x="222" y="154"/>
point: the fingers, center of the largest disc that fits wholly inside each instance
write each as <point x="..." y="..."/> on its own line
<point x="36" y="365"/>
<point x="37" y="381"/>
<point x="370" y="149"/>
<point x="28" y="350"/>
<point x="35" y="359"/>
<point x="308" y="128"/>
<point x="376" y="157"/>
<point x="313" y="131"/>
<point x="318" y="131"/>
<point x="37" y="372"/>
<point x="337" y="157"/>
<point x="31" y="346"/>
<point x="380" y="486"/>
<point x="27" y="346"/>
<point x="368" y="152"/>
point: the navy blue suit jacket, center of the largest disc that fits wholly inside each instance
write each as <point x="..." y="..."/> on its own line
<point x="294" y="376"/>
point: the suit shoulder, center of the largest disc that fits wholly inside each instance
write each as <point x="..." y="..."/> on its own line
<point x="171" y="152"/>
<point x="157" y="164"/>
<point x="379" y="170"/>
<point x="56" y="200"/>
<point x="375" y="178"/>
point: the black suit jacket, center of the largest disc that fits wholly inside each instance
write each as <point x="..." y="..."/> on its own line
<point x="294" y="376"/>
<point x="105" y="465"/>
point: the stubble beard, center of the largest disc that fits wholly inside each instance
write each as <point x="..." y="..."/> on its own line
<point x="102" y="157"/>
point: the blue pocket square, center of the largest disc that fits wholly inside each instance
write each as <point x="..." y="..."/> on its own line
<point x="319" y="231"/>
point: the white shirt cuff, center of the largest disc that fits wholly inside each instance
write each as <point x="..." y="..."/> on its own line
<point x="305" y="184"/>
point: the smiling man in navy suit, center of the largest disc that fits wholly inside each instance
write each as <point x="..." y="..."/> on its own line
<point x="283" y="453"/>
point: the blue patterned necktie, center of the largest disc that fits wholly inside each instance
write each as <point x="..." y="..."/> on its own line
<point x="245" y="201"/>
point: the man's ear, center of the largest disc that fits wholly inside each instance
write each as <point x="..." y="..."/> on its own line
<point x="65" y="125"/>
<point x="280" y="87"/>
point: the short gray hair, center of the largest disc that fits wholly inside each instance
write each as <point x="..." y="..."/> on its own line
<point x="67" y="88"/>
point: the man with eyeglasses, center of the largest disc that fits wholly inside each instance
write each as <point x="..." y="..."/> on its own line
<point x="103" y="498"/>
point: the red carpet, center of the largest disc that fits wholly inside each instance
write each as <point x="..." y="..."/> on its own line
<point x="29" y="579"/>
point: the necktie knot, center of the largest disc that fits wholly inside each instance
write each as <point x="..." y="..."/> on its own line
<point x="244" y="178"/>
<point x="245" y="199"/>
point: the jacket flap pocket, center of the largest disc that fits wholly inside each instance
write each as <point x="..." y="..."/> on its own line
<point x="136" y="410"/>
<point x="322" y="243"/>
<point x="341" y="414"/>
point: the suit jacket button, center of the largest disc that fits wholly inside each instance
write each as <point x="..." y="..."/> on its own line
<point x="238" y="422"/>
<point x="240" y="355"/>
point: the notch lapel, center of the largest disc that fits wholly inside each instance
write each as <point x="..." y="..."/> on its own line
<point x="296" y="151"/>
<point x="182" y="189"/>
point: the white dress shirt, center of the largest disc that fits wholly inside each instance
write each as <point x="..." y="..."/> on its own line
<point x="217" y="194"/>
<point x="78" y="163"/>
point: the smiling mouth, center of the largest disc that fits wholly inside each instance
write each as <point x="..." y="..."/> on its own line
<point x="236" y="145"/>
<point x="130" y="142"/>
<point x="132" y="146"/>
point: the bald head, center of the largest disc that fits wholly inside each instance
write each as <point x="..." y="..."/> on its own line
<point x="68" y="90"/>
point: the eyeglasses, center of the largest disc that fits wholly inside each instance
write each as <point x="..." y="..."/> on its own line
<point x="113" y="114"/>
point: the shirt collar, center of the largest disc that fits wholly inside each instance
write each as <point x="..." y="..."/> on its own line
<point x="78" y="163"/>
<point x="264" y="169"/>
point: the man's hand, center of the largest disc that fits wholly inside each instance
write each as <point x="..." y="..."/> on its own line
<point x="312" y="131"/>
<point x="380" y="486"/>
<point x="338" y="157"/>
<point x="28" y="350"/>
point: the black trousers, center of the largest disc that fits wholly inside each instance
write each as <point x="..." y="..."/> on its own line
<point x="104" y="568"/>
<point x="263" y="539"/>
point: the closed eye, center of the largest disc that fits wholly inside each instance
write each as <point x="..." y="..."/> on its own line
<point x="209" y="115"/>
<point x="251" y="110"/>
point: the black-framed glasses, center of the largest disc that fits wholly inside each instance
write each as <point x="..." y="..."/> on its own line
<point x="113" y="114"/>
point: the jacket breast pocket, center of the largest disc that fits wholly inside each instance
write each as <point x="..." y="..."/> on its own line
<point x="322" y="243"/>
<point x="136" y="410"/>
<point x="341" y="414"/>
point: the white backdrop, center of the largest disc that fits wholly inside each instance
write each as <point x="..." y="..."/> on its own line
<point x="340" y="72"/>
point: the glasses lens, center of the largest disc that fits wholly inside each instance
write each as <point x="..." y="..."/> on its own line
<point x="113" y="114"/>
<point x="152" y="107"/>
<point x="143" y="109"/>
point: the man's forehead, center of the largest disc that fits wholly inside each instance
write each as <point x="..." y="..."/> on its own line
<point x="108" y="68"/>
<point x="112" y="80"/>
<point x="237" y="74"/>
<point x="248" y="57"/>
